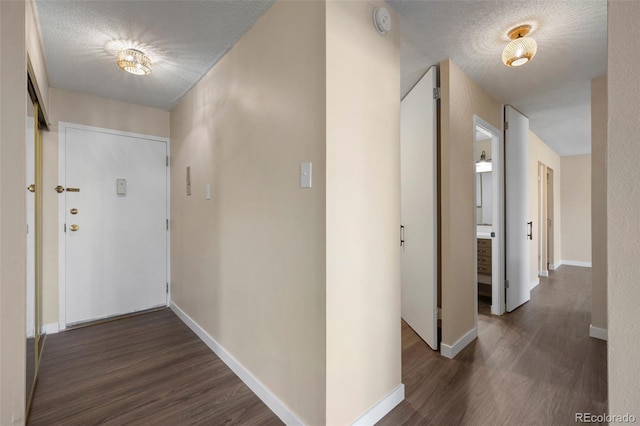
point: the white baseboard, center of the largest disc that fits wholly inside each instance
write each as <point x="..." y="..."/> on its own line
<point x="51" y="328"/>
<point x="534" y="283"/>
<point x="278" y="407"/>
<point x="598" y="333"/>
<point x="382" y="408"/>
<point x="553" y="267"/>
<point x="575" y="263"/>
<point x="543" y="273"/>
<point x="453" y="350"/>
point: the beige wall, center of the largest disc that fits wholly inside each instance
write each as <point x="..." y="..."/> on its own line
<point x="461" y="98"/>
<point x="363" y="210"/>
<point x="540" y="152"/>
<point x="249" y="265"/>
<point x="13" y="123"/>
<point x="88" y="110"/>
<point x="599" y="202"/>
<point x="623" y="207"/>
<point x="576" y="207"/>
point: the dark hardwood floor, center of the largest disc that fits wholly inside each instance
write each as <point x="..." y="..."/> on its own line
<point x="143" y="370"/>
<point x="534" y="366"/>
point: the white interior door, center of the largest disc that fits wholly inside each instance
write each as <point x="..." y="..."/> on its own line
<point x="519" y="228"/>
<point x="116" y="236"/>
<point x="418" y="166"/>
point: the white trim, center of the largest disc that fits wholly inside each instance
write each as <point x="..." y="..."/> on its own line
<point x="278" y="407"/>
<point x="535" y="283"/>
<point x="382" y="408"/>
<point x="453" y="350"/>
<point x="52" y="328"/>
<point x="575" y="263"/>
<point x="598" y="333"/>
<point x="554" y="267"/>
<point x="543" y="273"/>
<point x="62" y="211"/>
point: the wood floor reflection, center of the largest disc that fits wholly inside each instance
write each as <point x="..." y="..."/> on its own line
<point x="534" y="366"/>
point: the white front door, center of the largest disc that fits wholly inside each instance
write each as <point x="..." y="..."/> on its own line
<point x="418" y="177"/>
<point x="115" y="207"/>
<point x="519" y="227"/>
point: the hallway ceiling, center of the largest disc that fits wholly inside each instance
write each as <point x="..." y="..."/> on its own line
<point x="186" y="38"/>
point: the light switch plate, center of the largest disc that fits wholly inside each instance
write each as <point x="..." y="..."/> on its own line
<point x="305" y="175"/>
<point x="121" y="186"/>
<point x="207" y="191"/>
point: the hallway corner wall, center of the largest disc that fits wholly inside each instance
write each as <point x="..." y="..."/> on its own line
<point x="461" y="98"/>
<point x="248" y="265"/>
<point x="13" y="124"/>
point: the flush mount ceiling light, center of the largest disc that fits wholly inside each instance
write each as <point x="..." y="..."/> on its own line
<point x="134" y="61"/>
<point x="521" y="49"/>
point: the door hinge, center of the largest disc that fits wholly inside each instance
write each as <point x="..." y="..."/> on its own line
<point x="402" y="236"/>
<point x="506" y="283"/>
<point x="167" y="162"/>
<point x="167" y="224"/>
<point x="506" y="125"/>
<point x="27" y="228"/>
<point x="438" y="313"/>
<point x="167" y="288"/>
<point x="65" y="227"/>
<point x="436" y="93"/>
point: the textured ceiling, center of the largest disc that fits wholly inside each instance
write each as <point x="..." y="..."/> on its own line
<point x="553" y="90"/>
<point x="185" y="38"/>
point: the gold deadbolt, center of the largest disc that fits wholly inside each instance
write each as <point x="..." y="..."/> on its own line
<point x="74" y="227"/>
<point x="74" y="211"/>
<point x="59" y="189"/>
<point x="31" y="188"/>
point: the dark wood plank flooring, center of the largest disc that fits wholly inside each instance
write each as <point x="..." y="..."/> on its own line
<point x="534" y="366"/>
<point x="142" y="370"/>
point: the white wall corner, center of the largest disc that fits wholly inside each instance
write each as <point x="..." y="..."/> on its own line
<point x="543" y="273"/>
<point x="535" y="283"/>
<point x="52" y="328"/>
<point x="576" y="263"/>
<point x="598" y="333"/>
<point x="278" y="407"/>
<point x="382" y="408"/>
<point x="453" y="350"/>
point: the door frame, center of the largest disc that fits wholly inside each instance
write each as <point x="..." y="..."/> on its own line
<point x="62" y="144"/>
<point x="498" y="300"/>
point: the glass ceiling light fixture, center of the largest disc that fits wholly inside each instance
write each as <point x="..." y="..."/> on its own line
<point x="483" y="165"/>
<point x="134" y="61"/>
<point x="521" y="49"/>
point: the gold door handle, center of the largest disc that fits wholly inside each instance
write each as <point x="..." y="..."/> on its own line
<point x="74" y="227"/>
<point x="74" y="211"/>
<point x="59" y="189"/>
<point x="31" y="188"/>
<point x="73" y="189"/>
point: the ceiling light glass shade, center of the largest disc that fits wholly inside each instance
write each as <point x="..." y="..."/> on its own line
<point x="519" y="51"/>
<point x="134" y="61"/>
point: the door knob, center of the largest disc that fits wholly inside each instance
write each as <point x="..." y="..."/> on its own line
<point x="31" y="188"/>
<point x="73" y="211"/>
<point x="59" y="189"/>
<point x="74" y="227"/>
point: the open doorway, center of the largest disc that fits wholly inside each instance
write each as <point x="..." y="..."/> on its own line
<point x="545" y="220"/>
<point x="489" y="207"/>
